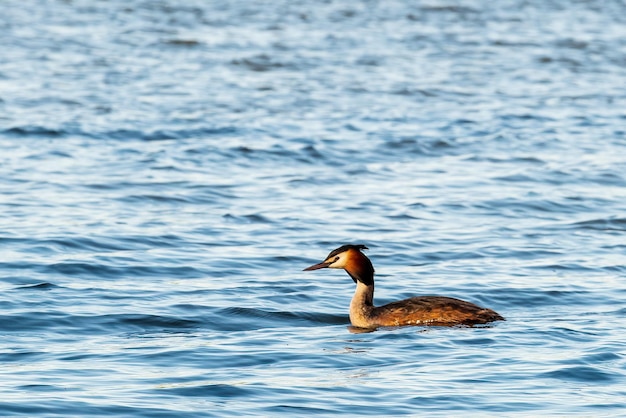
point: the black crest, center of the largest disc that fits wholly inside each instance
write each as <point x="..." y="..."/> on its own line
<point x="347" y="247"/>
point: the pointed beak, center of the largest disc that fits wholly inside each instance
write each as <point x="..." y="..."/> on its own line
<point x="317" y="266"/>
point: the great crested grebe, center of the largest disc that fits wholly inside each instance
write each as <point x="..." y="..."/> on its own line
<point x="422" y="310"/>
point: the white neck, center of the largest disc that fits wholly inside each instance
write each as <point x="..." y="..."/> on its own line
<point x="362" y="305"/>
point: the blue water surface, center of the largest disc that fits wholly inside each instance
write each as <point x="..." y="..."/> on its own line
<point x="167" y="169"/>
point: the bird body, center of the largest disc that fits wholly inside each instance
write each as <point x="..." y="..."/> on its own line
<point x="421" y="310"/>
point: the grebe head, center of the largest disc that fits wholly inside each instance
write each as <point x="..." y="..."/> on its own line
<point x="350" y="258"/>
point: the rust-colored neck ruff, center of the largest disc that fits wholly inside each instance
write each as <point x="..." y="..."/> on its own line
<point x="360" y="268"/>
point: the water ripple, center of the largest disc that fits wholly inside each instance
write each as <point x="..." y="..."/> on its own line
<point x="167" y="171"/>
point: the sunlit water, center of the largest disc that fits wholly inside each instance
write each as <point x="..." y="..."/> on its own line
<point x="167" y="170"/>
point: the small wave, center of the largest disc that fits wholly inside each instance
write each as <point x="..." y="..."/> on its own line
<point x="61" y="322"/>
<point x="301" y="410"/>
<point x="420" y="146"/>
<point x="602" y="224"/>
<point x="121" y="134"/>
<point x="38" y="286"/>
<point x="36" y="131"/>
<point x="160" y="198"/>
<point x="261" y="63"/>
<point x="582" y="374"/>
<point x="536" y="298"/>
<point x="35" y="321"/>
<point x="237" y="318"/>
<point x="602" y="357"/>
<point x="165" y="134"/>
<point x="40" y="388"/>
<point x="110" y="271"/>
<point x="24" y="356"/>
<point x="272" y="153"/>
<point x="253" y="218"/>
<point x="182" y="42"/>
<point x="522" y="208"/>
<point x="156" y="321"/>
<point x="82" y="243"/>
<point x="218" y="390"/>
